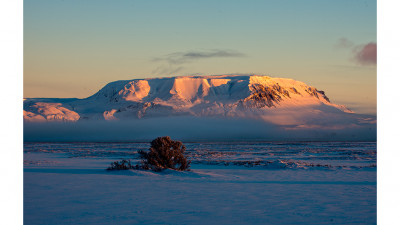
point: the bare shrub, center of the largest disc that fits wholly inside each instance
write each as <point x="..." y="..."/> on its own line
<point x="165" y="153"/>
<point x="121" y="165"/>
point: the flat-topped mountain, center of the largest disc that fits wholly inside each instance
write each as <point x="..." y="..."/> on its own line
<point x="251" y="96"/>
<point x="223" y="107"/>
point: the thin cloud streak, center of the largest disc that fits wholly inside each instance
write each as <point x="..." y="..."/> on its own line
<point x="167" y="70"/>
<point x="178" y="58"/>
<point x="344" y="43"/>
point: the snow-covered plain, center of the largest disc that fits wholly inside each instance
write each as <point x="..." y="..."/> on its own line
<point x="230" y="183"/>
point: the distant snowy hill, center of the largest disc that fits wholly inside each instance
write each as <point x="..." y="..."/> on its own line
<point x="280" y="102"/>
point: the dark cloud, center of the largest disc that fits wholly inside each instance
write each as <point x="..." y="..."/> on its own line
<point x="361" y="54"/>
<point x="190" y="56"/>
<point x="366" y="54"/>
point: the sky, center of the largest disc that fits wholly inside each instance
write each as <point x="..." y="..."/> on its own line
<point x="74" y="48"/>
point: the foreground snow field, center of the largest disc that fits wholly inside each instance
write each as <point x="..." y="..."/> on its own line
<point x="66" y="183"/>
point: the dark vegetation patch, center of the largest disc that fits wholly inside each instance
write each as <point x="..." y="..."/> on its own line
<point x="122" y="165"/>
<point x="164" y="153"/>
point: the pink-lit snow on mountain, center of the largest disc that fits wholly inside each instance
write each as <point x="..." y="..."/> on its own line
<point x="279" y="101"/>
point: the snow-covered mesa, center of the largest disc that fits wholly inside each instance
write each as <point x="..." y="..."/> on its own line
<point x="281" y="102"/>
<point x="225" y="95"/>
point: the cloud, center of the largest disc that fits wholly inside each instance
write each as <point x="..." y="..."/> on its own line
<point x="198" y="129"/>
<point x="178" y="58"/>
<point x="164" y="69"/>
<point x="344" y="43"/>
<point x="361" y="54"/>
<point x="366" y="54"/>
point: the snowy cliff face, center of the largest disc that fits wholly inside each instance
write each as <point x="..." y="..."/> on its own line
<point x="277" y="100"/>
<point x="189" y="91"/>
